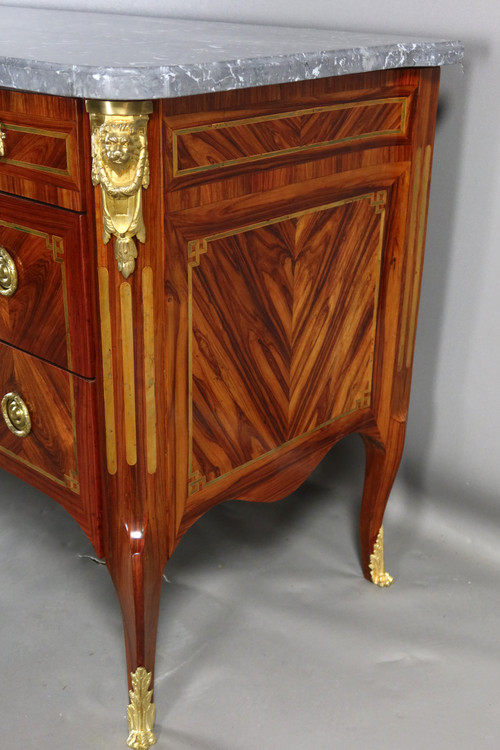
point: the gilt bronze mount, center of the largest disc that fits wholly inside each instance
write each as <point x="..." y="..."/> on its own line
<point x="120" y="165"/>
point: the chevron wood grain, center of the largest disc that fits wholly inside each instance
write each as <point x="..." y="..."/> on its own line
<point x="283" y="328"/>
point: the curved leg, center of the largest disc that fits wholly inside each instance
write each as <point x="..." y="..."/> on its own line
<point x="382" y="463"/>
<point x="138" y="578"/>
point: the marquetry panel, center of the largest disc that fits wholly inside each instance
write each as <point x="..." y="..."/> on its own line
<point x="230" y="142"/>
<point x="48" y="314"/>
<point x="41" y="148"/>
<point x="282" y="330"/>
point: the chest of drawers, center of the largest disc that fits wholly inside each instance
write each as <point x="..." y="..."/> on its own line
<point x="199" y="296"/>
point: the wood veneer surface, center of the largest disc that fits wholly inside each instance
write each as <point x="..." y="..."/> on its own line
<point x="50" y="314"/>
<point x="43" y="148"/>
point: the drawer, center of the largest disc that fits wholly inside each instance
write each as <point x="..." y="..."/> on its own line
<point x="48" y="433"/>
<point x="44" y="300"/>
<point x="39" y="148"/>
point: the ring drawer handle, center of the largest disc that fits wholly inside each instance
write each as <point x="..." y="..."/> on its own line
<point x="16" y="414"/>
<point x="8" y="274"/>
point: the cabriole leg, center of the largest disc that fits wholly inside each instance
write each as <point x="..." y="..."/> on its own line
<point x="138" y="580"/>
<point x="382" y="463"/>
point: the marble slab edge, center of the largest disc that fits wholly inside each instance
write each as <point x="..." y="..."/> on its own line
<point x="168" y="81"/>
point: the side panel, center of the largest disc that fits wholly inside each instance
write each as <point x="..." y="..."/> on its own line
<point x="285" y="276"/>
<point x="282" y="330"/>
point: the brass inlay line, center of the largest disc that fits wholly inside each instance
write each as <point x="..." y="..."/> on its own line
<point x="198" y="481"/>
<point x="57" y="248"/>
<point x="426" y="171"/>
<point x="196" y="248"/>
<point x="58" y="252"/>
<point x="403" y="101"/>
<point x="25" y="462"/>
<point x="72" y="406"/>
<point x="194" y="251"/>
<point x="128" y="373"/>
<point x="52" y="242"/>
<point x="416" y="235"/>
<point x="72" y="482"/>
<point x="39" y="167"/>
<point x="193" y="261"/>
<point x="417" y="176"/>
<point x="28" y="230"/>
<point x="107" y="370"/>
<point x="149" y="367"/>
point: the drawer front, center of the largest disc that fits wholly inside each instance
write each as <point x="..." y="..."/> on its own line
<point x="39" y="148"/>
<point x="48" y="432"/>
<point x="44" y="304"/>
<point x="49" y="448"/>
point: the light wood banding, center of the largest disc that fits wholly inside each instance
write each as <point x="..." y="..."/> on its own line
<point x="149" y="367"/>
<point x="127" y="329"/>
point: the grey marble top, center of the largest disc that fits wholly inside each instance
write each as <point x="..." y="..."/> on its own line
<point x="107" y="56"/>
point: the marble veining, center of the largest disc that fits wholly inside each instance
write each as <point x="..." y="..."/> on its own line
<point x="108" y="56"/>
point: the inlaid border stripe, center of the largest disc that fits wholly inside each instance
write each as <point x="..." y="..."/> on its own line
<point x="422" y="211"/>
<point x="107" y="370"/>
<point x="128" y="373"/>
<point x="415" y="244"/>
<point x="149" y="367"/>
<point x="40" y="167"/>
<point x="282" y="116"/>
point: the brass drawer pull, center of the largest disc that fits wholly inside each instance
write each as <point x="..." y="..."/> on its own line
<point x="8" y="274"/>
<point x="16" y="414"/>
<point x="2" y="144"/>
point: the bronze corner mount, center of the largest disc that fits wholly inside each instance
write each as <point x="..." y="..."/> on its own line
<point x="120" y="165"/>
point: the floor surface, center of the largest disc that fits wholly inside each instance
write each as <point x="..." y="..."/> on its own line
<point x="269" y="637"/>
